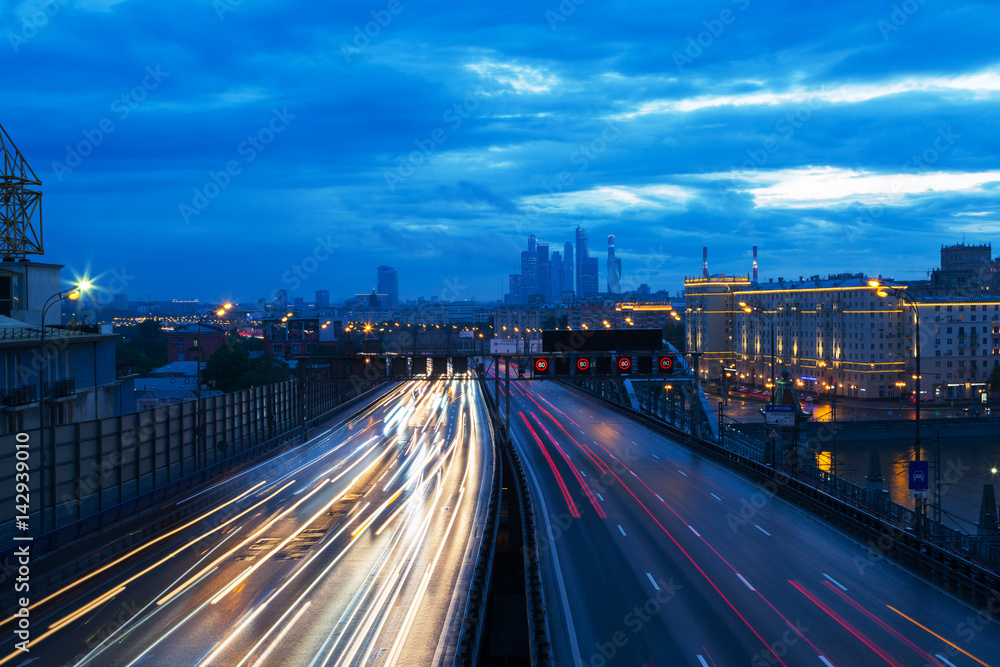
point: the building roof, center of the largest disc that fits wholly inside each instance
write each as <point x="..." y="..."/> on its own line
<point x="11" y="329"/>
<point x="178" y="368"/>
<point x="192" y="329"/>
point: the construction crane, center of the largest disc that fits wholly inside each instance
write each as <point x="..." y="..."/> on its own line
<point x="20" y="203"/>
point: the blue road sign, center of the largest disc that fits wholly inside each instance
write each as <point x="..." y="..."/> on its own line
<point x="919" y="475"/>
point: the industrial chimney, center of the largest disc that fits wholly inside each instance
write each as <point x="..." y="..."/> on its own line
<point x="704" y="262"/>
<point x="755" y="265"/>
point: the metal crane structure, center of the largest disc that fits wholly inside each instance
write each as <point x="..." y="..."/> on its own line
<point x="20" y="204"/>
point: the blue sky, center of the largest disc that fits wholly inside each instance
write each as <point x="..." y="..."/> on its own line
<point x="234" y="148"/>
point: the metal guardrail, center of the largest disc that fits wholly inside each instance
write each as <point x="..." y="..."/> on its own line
<point x="60" y="388"/>
<point x="470" y="638"/>
<point x="51" y="542"/>
<point x="19" y="395"/>
<point x="538" y="629"/>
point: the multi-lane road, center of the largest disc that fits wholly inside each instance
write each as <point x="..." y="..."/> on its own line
<point x="357" y="548"/>
<point x="657" y="556"/>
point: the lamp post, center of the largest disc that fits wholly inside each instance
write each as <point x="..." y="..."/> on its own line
<point x="199" y="416"/>
<point x="69" y="293"/>
<point x="899" y="388"/>
<point x="760" y="310"/>
<point x="884" y="291"/>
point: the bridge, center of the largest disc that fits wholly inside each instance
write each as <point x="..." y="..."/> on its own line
<point x="492" y="513"/>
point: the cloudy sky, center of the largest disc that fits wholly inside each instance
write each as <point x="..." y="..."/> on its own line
<point x="227" y="148"/>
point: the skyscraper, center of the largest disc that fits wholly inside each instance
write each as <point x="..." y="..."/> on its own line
<point x="388" y="284"/>
<point x="556" y="275"/>
<point x="588" y="277"/>
<point x="322" y="298"/>
<point x="544" y="271"/>
<point x="614" y="268"/>
<point x="529" y="272"/>
<point x="582" y="253"/>
<point x="531" y="242"/>
<point x="567" y="267"/>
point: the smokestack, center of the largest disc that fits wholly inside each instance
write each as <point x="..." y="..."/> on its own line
<point x="704" y="262"/>
<point x="755" y="264"/>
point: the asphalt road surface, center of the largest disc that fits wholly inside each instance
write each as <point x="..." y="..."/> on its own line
<point x="355" y="549"/>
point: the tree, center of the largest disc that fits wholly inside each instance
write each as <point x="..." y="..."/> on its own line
<point x="146" y="347"/>
<point x="226" y="368"/>
<point x="994" y="380"/>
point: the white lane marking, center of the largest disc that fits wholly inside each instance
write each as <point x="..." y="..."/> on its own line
<point x="705" y="664"/>
<point x="597" y="443"/>
<point x="635" y="443"/>
<point x="582" y="473"/>
<point x="656" y="457"/>
<point x="661" y="498"/>
<point x="601" y="497"/>
<point x="939" y="657"/>
<point x="835" y="582"/>
<point x="621" y="529"/>
<point x="829" y="664"/>
<point x="694" y="531"/>
<point x="652" y="581"/>
<point x="582" y="431"/>
<point x="683" y="473"/>
<point x="745" y="581"/>
<point x="617" y="433"/>
<point x="715" y="496"/>
<point x="762" y="530"/>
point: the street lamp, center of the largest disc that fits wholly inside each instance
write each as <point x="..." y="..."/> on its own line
<point x="760" y="310"/>
<point x="199" y="412"/>
<point x="68" y="293"/>
<point x="884" y="291"/>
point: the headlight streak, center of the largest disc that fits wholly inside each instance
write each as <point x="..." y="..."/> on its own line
<point x="284" y="631"/>
<point x="432" y="464"/>
<point x="277" y="518"/>
<point x="97" y="650"/>
<point x="271" y="552"/>
<point x="381" y="607"/>
<point x="96" y="602"/>
<point x="133" y="553"/>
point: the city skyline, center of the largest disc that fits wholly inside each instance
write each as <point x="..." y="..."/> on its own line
<point x="164" y="157"/>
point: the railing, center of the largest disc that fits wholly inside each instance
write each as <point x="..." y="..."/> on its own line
<point x="60" y="388"/>
<point x="123" y="368"/>
<point x="19" y="395"/>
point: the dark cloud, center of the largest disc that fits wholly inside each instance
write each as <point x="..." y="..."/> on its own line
<point x="438" y="140"/>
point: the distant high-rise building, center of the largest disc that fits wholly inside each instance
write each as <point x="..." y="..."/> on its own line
<point x="567" y="280"/>
<point x="614" y="268"/>
<point x="544" y="271"/>
<point x="280" y="298"/>
<point x="121" y="301"/>
<point x="556" y="275"/>
<point x="388" y="284"/>
<point x="588" y="277"/>
<point x="322" y="298"/>
<point x="516" y="294"/>
<point x="529" y="272"/>
<point x="582" y="253"/>
<point x="531" y="242"/>
<point x="300" y="303"/>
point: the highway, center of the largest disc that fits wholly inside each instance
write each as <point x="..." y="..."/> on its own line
<point x="653" y="555"/>
<point x="358" y="549"/>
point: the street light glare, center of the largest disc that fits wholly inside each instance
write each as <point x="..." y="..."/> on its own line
<point x="882" y="292"/>
<point x="874" y="283"/>
<point x="74" y="295"/>
<point x="83" y="287"/>
<point x="227" y="306"/>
